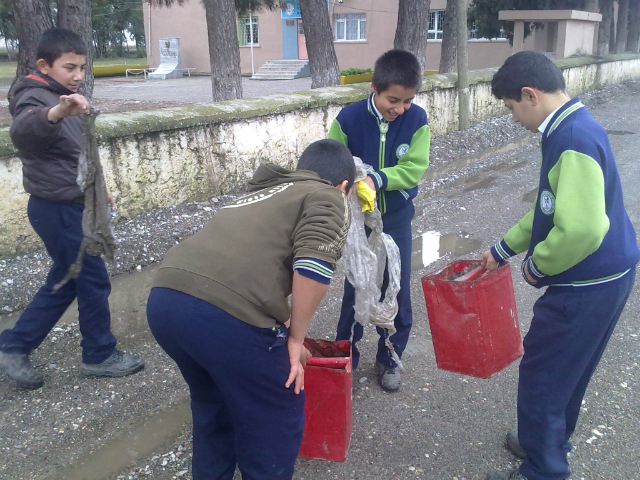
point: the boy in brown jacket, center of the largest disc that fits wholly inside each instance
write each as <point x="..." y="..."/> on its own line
<point x="48" y="132"/>
<point x="219" y="308"/>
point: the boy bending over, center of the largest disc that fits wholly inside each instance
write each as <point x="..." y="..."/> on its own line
<point x="219" y="306"/>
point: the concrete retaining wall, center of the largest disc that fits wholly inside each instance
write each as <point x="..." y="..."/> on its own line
<point x="168" y="156"/>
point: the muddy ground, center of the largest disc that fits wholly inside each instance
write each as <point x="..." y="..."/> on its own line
<point x="439" y="426"/>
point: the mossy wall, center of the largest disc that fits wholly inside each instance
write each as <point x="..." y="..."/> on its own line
<point x="168" y="156"/>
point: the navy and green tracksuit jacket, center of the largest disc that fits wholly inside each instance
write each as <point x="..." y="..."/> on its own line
<point x="578" y="233"/>
<point x="399" y="157"/>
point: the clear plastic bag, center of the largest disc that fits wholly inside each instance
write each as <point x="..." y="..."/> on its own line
<point x="365" y="260"/>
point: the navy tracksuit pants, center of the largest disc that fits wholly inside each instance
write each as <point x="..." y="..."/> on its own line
<point x="242" y="413"/>
<point x="59" y="225"/>
<point x="568" y="335"/>
<point x="398" y="226"/>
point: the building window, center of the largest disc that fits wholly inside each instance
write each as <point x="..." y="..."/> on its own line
<point x="436" y="23"/>
<point x="244" y="31"/>
<point x="473" y="34"/>
<point x="350" y="27"/>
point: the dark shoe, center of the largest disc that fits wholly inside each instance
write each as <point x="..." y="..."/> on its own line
<point x="18" y="367"/>
<point x="117" y="365"/>
<point x="510" y="475"/>
<point x="513" y="444"/>
<point x="388" y="377"/>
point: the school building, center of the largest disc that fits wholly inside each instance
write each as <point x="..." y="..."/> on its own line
<point x="362" y="29"/>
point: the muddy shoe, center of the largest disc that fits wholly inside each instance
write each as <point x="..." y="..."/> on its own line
<point x="513" y="444"/>
<point x="18" y="367"/>
<point x="388" y="377"/>
<point x="510" y="475"/>
<point x="117" y="365"/>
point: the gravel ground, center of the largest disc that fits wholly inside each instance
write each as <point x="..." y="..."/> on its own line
<point x="43" y="432"/>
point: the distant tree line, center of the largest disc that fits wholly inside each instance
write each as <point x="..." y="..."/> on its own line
<point x="113" y="23"/>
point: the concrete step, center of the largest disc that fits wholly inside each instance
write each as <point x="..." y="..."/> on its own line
<point x="278" y="67"/>
<point x="273" y="76"/>
<point x="283" y="70"/>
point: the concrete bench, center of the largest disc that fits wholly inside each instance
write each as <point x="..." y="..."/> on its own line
<point x="138" y="71"/>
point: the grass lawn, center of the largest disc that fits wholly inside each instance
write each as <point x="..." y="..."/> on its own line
<point x="8" y="69"/>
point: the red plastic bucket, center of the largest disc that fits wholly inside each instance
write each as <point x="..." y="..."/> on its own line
<point x="473" y="318"/>
<point x="328" y="407"/>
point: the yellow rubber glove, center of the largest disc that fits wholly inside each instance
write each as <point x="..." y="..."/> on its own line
<point x="367" y="197"/>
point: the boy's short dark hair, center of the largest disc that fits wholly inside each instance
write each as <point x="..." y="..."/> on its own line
<point x="397" y="67"/>
<point x="331" y="160"/>
<point x="55" y="42"/>
<point x="526" y="69"/>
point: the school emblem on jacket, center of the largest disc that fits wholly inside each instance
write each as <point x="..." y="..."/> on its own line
<point x="402" y="149"/>
<point x="547" y="202"/>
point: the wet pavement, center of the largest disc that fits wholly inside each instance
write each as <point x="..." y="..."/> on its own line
<point x="439" y="426"/>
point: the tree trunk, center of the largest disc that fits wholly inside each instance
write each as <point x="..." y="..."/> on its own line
<point x="448" y="51"/>
<point x="633" y="33"/>
<point x="75" y="15"/>
<point x="604" y="34"/>
<point x="322" y="55"/>
<point x="612" y="32"/>
<point x="32" y="18"/>
<point x="413" y="28"/>
<point x="623" y="22"/>
<point x="591" y="5"/>
<point x="224" y="51"/>
<point x="463" y="79"/>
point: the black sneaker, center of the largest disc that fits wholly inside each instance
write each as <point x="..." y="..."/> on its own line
<point x="117" y="365"/>
<point x="18" y="367"/>
<point x="513" y="444"/>
<point x="510" y="475"/>
<point x="389" y="378"/>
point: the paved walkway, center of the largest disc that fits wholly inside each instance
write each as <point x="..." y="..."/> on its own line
<point x="187" y="90"/>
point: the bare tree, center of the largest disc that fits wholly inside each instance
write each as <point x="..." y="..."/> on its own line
<point x="448" y="50"/>
<point x="413" y="28"/>
<point x="633" y="33"/>
<point x="322" y="55"/>
<point x="591" y="5"/>
<point x="75" y="15"/>
<point x="463" y="60"/>
<point x="623" y="22"/>
<point x="612" y="32"/>
<point x="224" y="51"/>
<point x="33" y="18"/>
<point x="604" y="34"/>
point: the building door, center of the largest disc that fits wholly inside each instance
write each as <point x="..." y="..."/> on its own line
<point x="289" y="39"/>
<point x="302" y="42"/>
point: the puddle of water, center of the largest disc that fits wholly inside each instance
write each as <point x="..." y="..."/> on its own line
<point x="507" y="167"/>
<point x="140" y="441"/>
<point x="531" y="196"/>
<point x="8" y="321"/>
<point x="486" y="183"/>
<point x="431" y="246"/>
<point x="620" y="132"/>
<point x="129" y="292"/>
